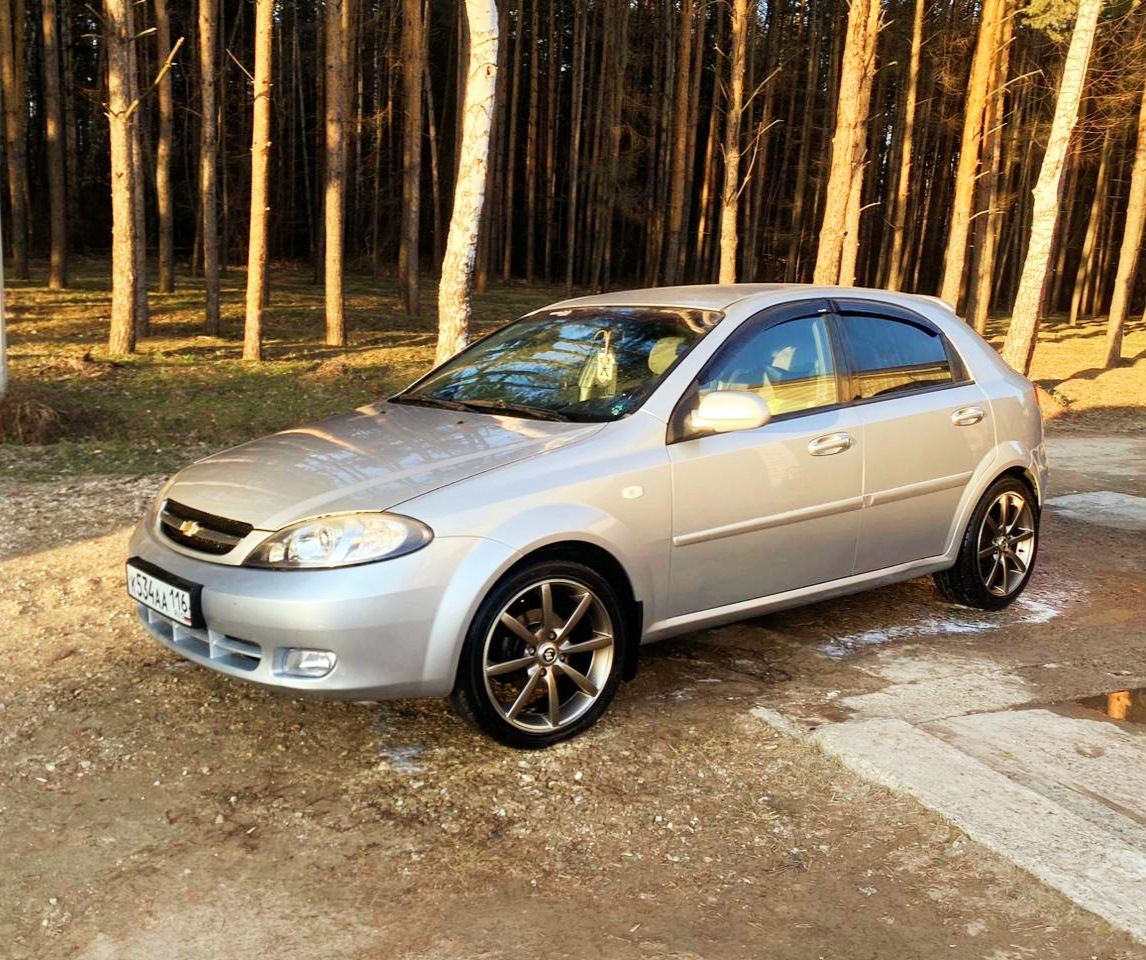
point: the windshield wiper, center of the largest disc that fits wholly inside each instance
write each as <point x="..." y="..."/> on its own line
<point x="419" y="400"/>
<point x="522" y="409"/>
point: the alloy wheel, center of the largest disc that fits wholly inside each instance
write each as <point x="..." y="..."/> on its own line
<point x="1006" y="544"/>
<point x="548" y="655"/>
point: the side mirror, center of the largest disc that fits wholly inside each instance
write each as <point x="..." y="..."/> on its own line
<point x="724" y="411"/>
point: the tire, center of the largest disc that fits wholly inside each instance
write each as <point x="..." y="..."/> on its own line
<point x="543" y="656"/>
<point x="998" y="551"/>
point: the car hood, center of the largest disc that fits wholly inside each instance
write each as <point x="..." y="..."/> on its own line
<point x="372" y="459"/>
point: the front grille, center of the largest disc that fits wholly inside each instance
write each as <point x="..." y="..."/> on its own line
<point x="200" y="531"/>
<point x="208" y="644"/>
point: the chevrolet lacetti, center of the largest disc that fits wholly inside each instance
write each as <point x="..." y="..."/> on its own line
<point x="602" y="473"/>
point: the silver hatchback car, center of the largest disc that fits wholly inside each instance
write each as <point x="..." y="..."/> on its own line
<point x="603" y="473"/>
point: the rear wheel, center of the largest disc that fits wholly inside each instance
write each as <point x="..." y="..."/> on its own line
<point x="998" y="551"/>
<point x="542" y="658"/>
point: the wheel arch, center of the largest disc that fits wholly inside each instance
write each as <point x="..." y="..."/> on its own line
<point x="608" y="566"/>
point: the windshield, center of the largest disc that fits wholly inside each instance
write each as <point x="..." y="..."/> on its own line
<point x="581" y="363"/>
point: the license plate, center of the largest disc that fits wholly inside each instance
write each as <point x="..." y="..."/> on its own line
<point x="172" y="596"/>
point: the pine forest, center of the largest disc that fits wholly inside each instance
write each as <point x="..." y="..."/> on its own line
<point x="992" y="153"/>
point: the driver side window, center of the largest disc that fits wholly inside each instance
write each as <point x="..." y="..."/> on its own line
<point x="789" y="364"/>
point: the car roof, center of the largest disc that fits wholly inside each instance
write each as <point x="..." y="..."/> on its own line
<point x="721" y="296"/>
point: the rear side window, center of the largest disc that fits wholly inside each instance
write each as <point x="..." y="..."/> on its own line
<point x="894" y="356"/>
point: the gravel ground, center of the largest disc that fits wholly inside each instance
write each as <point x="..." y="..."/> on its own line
<point x="151" y="809"/>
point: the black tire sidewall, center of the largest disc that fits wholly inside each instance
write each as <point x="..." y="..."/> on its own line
<point x="470" y="695"/>
<point x="968" y="563"/>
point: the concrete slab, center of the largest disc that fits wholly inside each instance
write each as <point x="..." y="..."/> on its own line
<point x="1089" y="864"/>
<point x="1091" y="766"/>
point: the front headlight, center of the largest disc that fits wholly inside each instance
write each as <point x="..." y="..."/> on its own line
<point x="341" y="540"/>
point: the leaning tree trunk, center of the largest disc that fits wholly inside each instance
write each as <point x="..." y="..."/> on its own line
<point x="54" y="138"/>
<point x="260" y="164"/>
<point x="1019" y="347"/>
<point x="335" y="194"/>
<point x="125" y="278"/>
<point x="730" y="196"/>
<point x="208" y="159"/>
<point x="849" y="141"/>
<point x="1129" y="248"/>
<point x="469" y="192"/>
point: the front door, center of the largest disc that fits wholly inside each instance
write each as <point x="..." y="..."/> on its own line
<point x="760" y="512"/>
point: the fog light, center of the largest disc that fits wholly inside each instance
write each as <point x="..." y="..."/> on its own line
<point x="308" y="663"/>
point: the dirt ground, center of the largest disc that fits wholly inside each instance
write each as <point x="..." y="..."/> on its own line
<point x="152" y="809"/>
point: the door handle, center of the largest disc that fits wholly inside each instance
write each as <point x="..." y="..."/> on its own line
<point x="827" y="445"/>
<point x="967" y="416"/>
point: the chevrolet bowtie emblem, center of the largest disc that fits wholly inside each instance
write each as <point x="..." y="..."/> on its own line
<point x="189" y="528"/>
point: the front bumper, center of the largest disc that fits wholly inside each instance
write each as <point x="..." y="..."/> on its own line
<point x="395" y="626"/>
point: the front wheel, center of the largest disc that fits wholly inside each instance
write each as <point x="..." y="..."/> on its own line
<point x="542" y="658"/>
<point x="998" y="551"/>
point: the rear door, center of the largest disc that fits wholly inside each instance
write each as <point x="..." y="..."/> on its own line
<point x="926" y="427"/>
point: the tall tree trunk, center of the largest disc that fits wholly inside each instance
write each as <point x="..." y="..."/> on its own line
<point x="121" y="122"/>
<point x="469" y="192"/>
<point x="138" y="208"/>
<point x="967" y="174"/>
<point x="580" y="41"/>
<point x="164" y="194"/>
<point x="260" y="170"/>
<point x="849" y="252"/>
<point x="792" y="266"/>
<point x="208" y="157"/>
<point x="511" y="143"/>
<point x="993" y="152"/>
<point x="54" y="139"/>
<point x="15" y="123"/>
<point x="335" y="190"/>
<point x="1084" y="275"/>
<point x="1023" y="333"/>
<point x="730" y="195"/>
<point x="680" y="158"/>
<point x="531" y="147"/>
<point x="413" y="54"/>
<point x="907" y="145"/>
<point x="1129" y="248"/>
<point x="849" y="141"/>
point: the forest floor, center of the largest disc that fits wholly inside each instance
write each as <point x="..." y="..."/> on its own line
<point x="152" y="809"/>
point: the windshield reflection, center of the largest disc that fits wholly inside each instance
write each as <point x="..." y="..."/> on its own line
<point x="581" y="363"/>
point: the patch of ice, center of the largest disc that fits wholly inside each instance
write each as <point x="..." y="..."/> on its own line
<point x="1032" y="608"/>
<point x="404" y="759"/>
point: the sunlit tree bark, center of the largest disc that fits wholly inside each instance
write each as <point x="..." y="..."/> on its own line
<point x="1023" y="333"/>
<point x="849" y="141"/>
<point x="335" y="192"/>
<point x="966" y="176"/>
<point x="54" y="138"/>
<point x="730" y="195"/>
<point x="208" y="157"/>
<point x="260" y="168"/>
<point x="1129" y="248"/>
<point x="469" y="193"/>
<point x="125" y="278"/>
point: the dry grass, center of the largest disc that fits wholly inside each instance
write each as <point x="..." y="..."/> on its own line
<point x="1075" y="392"/>
<point x="72" y="409"/>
